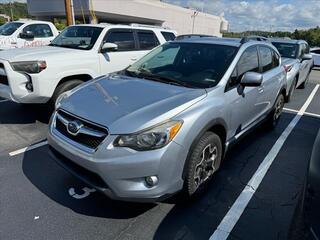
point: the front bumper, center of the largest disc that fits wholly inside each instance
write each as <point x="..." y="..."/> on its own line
<point x="16" y="89"/>
<point x="120" y="173"/>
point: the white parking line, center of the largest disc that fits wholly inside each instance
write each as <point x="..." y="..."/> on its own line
<point x="233" y="215"/>
<point x="26" y="149"/>
<point x="305" y="113"/>
<point x="4" y="100"/>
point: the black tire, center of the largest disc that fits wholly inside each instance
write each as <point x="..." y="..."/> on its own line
<point x="63" y="87"/>
<point x="211" y="142"/>
<point x="275" y="115"/>
<point x="291" y="91"/>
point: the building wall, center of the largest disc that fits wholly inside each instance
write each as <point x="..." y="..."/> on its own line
<point x="139" y="11"/>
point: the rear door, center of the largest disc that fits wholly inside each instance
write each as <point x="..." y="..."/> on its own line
<point x="272" y="78"/>
<point x="147" y="40"/>
<point x="42" y="32"/>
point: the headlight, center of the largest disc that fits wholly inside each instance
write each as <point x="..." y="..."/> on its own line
<point x="153" y="138"/>
<point x="61" y="97"/>
<point x="29" y="66"/>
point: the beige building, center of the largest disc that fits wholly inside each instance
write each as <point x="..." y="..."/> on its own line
<point x="154" y="12"/>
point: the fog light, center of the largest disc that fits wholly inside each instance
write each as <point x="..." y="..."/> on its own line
<point x="151" y="181"/>
<point x="29" y="86"/>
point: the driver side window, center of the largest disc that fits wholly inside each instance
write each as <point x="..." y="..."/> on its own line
<point x="248" y="62"/>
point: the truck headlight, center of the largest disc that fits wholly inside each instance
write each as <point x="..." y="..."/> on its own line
<point x="153" y="138"/>
<point x="29" y="66"/>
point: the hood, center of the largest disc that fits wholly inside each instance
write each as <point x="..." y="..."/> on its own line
<point x="34" y="53"/>
<point x="288" y="61"/>
<point x="126" y="105"/>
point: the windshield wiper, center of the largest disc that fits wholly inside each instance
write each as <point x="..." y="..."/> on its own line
<point x="146" y="74"/>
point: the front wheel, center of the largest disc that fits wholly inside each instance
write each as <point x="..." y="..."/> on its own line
<point x="274" y="117"/>
<point x="63" y="87"/>
<point x="204" y="161"/>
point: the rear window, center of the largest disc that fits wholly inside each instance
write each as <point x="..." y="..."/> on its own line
<point x="266" y="60"/>
<point x="168" y="36"/>
<point x="287" y="50"/>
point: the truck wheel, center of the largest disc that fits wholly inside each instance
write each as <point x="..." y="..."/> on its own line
<point x="63" y="87"/>
<point x="293" y="87"/>
<point x="274" y="116"/>
<point x="203" y="162"/>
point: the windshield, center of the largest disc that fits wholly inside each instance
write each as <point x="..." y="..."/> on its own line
<point x="9" y="28"/>
<point x="77" y="37"/>
<point x="287" y="50"/>
<point x="188" y="64"/>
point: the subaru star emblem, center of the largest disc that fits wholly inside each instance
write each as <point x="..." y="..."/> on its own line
<point x="74" y="127"/>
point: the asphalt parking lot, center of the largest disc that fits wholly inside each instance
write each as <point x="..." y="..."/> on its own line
<point x="40" y="200"/>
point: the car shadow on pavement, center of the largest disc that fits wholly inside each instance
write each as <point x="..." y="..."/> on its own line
<point x="53" y="181"/>
<point x="14" y="113"/>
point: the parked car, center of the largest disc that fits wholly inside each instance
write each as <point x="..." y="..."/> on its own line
<point x="164" y="124"/>
<point x="297" y="60"/>
<point x="26" y="34"/>
<point x="77" y="54"/>
<point x="315" y="52"/>
<point x="311" y="196"/>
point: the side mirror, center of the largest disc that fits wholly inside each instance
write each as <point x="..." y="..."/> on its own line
<point x="109" y="47"/>
<point x="26" y="35"/>
<point x="250" y="79"/>
<point x="306" y="56"/>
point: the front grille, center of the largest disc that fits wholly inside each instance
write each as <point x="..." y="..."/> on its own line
<point x="3" y="76"/>
<point x="85" y="139"/>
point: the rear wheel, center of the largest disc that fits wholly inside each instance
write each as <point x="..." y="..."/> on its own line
<point x="275" y="115"/>
<point x="203" y="162"/>
<point x="63" y="87"/>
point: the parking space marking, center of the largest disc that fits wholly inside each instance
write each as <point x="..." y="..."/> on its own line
<point x="4" y="100"/>
<point x="233" y="215"/>
<point x="26" y="149"/>
<point x="305" y="113"/>
<point x="86" y="193"/>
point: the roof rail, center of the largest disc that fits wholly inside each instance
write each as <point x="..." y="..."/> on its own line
<point x="147" y="25"/>
<point x="253" y="38"/>
<point x="187" y="36"/>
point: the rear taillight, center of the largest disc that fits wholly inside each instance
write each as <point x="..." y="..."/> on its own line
<point x="287" y="68"/>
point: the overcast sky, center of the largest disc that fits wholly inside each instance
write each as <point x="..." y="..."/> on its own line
<point x="283" y="15"/>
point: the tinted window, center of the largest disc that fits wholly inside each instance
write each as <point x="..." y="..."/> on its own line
<point x="39" y="30"/>
<point x="9" y="28"/>
<point x="77" y="37"/>
<point x="287" y="50"/>
<point x="266" y="60"/>
<point x="193" y="64"/>
<point x="168" y="36"/>
<point x="248" y="62"/>
<point x="307" y="48"/>
<point x="124" y="40"/>
<point x="147" y="40"/>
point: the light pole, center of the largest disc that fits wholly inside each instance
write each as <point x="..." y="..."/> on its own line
<point x="195" y="13"/>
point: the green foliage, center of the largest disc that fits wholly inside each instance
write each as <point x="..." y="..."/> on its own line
<point x="19" y="10"/>
<point x="312" y="35"/>
<point x="60" y="23"/>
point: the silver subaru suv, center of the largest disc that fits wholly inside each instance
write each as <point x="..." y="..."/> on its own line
<point x="163" y="125"/>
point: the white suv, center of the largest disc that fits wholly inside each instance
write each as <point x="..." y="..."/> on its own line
<point x="78" y="54"/>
